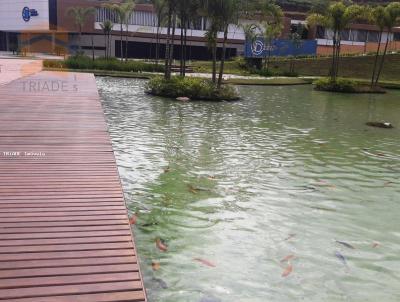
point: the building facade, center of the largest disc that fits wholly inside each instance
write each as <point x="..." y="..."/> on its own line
<point x="43" y="26"/>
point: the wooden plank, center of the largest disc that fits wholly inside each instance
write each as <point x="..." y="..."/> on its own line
<point x="46" y="263"/>
<point x="60" y="241"/>
<point x="99" y="253"/>
<point x="121" y="296"/>
<point x="66" y="247"/>
<point x="60" y="229"/>
<point x="67" y="271"/>
<point x="64" y="235"/>
<point x="64" y="230"/>
<point x="68" y="280"/>
<point x="55" y="290"/>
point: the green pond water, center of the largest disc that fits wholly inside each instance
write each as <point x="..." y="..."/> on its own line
<point x="285" y="171"/>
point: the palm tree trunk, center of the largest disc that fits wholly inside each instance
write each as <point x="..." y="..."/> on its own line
<point x="333" y="63"/>
<point x="221" y="67"/>
<point x="337" y="58"/>
<point x="214" y="59"/>
<point x="171" y="50"/>
<point x="167" y="74"/>
<point x="105" y="45"/>
<point x="109" y="41"/>
<point x="383" y="58"/>
<point x="268" y="59"/>
<point x="92" y="49"/>
<point x="122" y="56"/>
<point x="158" y="40"/>
<point x="126" y="44"/>
<point x="184" y="50"/>
<point x="182" y="46"/>
<point x="80" y="39"/>
<point x="376" y="58"/>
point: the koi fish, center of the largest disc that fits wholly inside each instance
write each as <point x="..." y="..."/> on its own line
<point x="133" y="219"/>
<point x="288" y="258"/>
<point x="155" y="265"/>
<point x="348" y="245"/>
<point x="166" y="170"/>
<point x="161" y="245"/>
<point x="196" y="189"/>
<point x="149" y="224"/>
<point x="205" y="262"/>
<point x="341" y="257"/>
<point x="375" y="244"/>
<point x="290" y="237"/>
<point x="287" y="270"/>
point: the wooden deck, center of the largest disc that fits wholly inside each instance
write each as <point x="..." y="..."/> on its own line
<point x="64" y="229"/>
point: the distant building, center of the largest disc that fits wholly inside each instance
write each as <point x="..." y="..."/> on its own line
<point x="43" y="26"/>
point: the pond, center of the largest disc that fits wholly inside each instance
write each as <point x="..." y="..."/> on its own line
<point x="234" y="188"/>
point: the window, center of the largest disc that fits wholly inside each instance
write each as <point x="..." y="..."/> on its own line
<point x="373" y="36"/>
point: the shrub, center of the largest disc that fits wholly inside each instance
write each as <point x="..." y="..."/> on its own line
<point x="338" y="85"/>
<point x="274" y="73"/>
<point x="113" y="64"/>
<point x="194" y="88"/>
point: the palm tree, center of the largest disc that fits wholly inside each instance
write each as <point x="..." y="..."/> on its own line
<point x="211" y="38"/>
<point x="211" y="9"/>
<point x="229" y="14"/>
<point x="187" y="10"/>
<point x="123" y="12"/>
<point x="159" y="7"/>
<point x="378" y="18"/>
<point x="169" y="47"/>
<point x="390" y="17"/>
<point x="296" y="41"/>
<point x="80" y="15"/>
<point x="250" y="32"/>
<point x="271" y="31"/>
<point x="129" y="8"/>
<point x="271" y="27"/>
<point x="107" y="27"/>
<point x="337" y="17"/>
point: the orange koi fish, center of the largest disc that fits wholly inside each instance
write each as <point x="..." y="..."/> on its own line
<point x="205" y="262"/>
<point x="161" y="245"/>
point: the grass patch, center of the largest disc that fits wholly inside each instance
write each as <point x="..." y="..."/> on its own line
<point x="269" y="81"/>
<point x="344" y="86"/>
<point x="113" y="64"/>
<point x="193" y="88"/>
<point x="356" y="67"/>
<point x="106" y="73"/>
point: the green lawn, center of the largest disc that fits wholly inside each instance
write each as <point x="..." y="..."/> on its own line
<point x="269" y="81"/>
<point x="359" y="67"/>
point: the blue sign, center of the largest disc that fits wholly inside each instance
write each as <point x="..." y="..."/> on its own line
<point x="28" y="13"/>
<point x="279" y="47"/>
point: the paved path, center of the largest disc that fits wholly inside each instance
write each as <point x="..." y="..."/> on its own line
<point x="64" y="229"/>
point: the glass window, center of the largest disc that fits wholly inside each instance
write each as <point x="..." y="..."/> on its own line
<point x="361" y="36"/>
<point x="345" y="35"/>
<point x="373" y="36"/>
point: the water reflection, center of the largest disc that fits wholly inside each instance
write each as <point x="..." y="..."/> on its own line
<point x="285" y="171"/>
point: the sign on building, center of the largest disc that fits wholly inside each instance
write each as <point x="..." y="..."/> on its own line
<point x="280" y="47"/>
